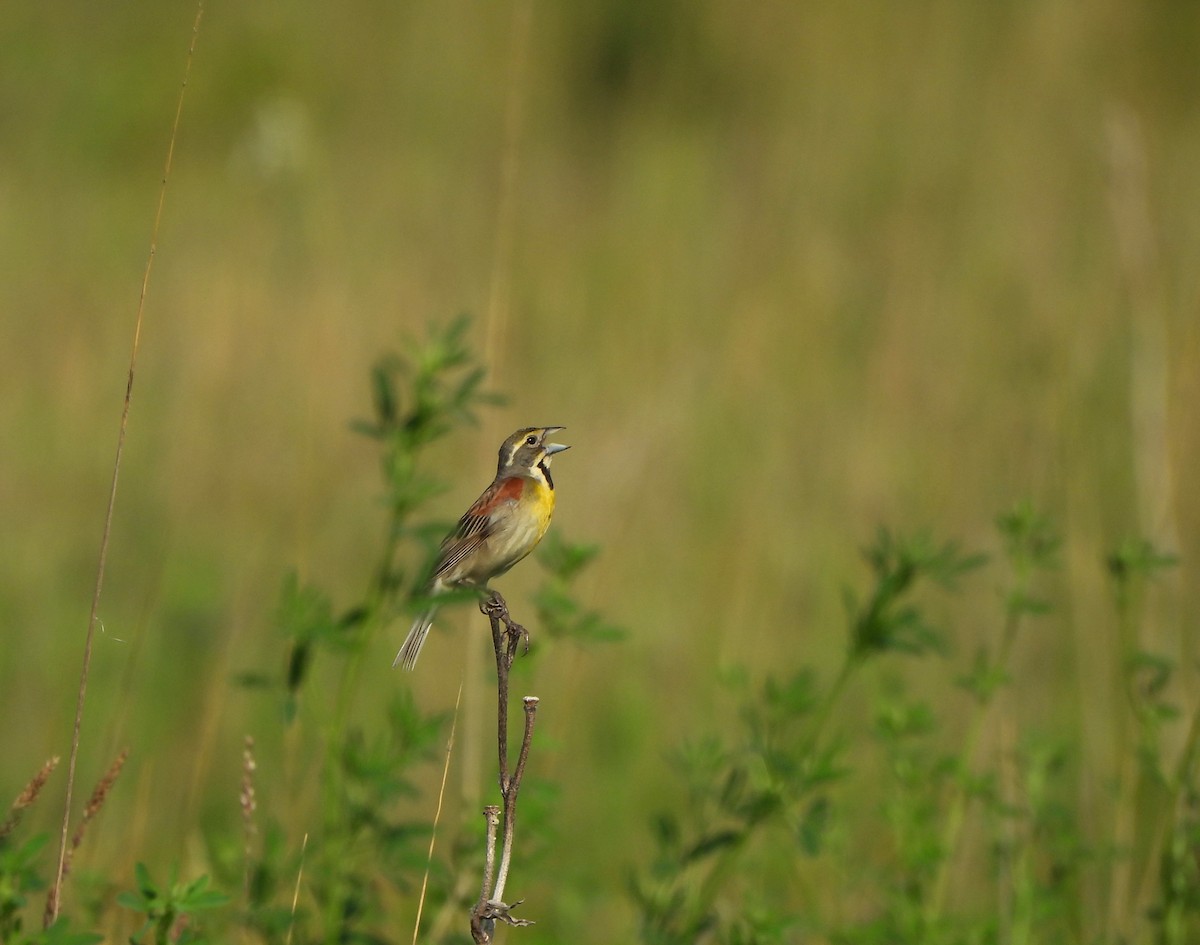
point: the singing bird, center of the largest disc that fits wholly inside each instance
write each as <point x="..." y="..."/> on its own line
<point x="501" y="528"/>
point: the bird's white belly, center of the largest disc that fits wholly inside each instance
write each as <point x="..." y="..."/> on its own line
<point x="515" y="541"/>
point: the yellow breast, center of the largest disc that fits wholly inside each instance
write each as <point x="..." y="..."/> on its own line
<point x="528" y="523"/>
<point x="540" y="498"/>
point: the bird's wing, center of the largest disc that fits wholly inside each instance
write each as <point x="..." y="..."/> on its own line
<point x="476" y="525"/>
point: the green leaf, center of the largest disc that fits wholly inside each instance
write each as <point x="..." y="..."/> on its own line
<point x="713" y="843"/>
<point x="132" y="901"/>
<point x="60" y="934"/>
<point x="886" y="621"/>
<point x="144" y="882"/>
<point x="198" y="901"/>
<point x="1139" y="558"/>
<point x="1030" y="540"/>
<point x="813" y="826"/>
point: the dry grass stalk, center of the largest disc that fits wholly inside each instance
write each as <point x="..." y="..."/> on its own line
<point x="95" y="802"/>
<point x="64" y="849"/>
<point x="249" y="805"/>
<point x="437" y="816"/>
<point x="27" y="797"/>
<point x="296" y="891"/>
<point x="90" y="810"/>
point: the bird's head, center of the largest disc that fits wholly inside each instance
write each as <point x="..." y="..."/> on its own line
<point x="527" y="452"/>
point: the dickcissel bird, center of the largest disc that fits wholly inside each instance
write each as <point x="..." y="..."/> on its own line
<point x="501" y="528"/>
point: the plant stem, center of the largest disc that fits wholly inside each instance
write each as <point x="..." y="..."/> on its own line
<point x="958" y="804"/>
<point x="491" y="905"/>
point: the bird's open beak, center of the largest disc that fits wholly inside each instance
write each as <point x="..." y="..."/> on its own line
<point x="552" y="448"/>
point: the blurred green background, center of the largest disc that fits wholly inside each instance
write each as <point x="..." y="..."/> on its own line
<point x="786" y="271"/>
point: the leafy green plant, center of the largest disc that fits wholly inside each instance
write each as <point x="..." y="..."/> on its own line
<point x="773" y="786"/>
<point x="169" y="909"/>
<point x="1162" y="837"/>
<point x="1030" y="551"/>
<point x="20" y="878"/>
<point x="972" y="846"/>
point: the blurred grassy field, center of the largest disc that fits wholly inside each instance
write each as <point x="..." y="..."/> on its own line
<point x="785" y="273"/>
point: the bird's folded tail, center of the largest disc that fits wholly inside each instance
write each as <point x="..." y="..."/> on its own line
<point x="407" y="657"/>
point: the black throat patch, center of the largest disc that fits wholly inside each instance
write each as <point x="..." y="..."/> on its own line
<point x="546" y="472"/>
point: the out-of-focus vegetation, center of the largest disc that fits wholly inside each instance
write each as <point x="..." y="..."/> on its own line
<point x="787" y="273"/>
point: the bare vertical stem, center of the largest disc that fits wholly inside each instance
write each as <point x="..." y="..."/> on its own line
<point x="483" y="924"/>
<point x="506" y="637"/>
<point x="503" y="664"/>
<point x="510" y="798"/>
<point x="492" y="813"/>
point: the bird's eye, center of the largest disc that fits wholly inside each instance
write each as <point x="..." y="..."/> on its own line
<point x="531" y="440"/>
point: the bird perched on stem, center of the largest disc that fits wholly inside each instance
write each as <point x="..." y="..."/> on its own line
<point x="501" y="528"/>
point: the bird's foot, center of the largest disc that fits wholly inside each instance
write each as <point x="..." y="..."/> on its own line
<point x="494" y="608"/>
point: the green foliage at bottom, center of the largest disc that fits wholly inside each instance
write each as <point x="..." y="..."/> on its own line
<point x="966" y="845"/>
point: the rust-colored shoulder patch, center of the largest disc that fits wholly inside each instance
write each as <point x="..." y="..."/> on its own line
<point x="478" y="517"/>
<point x="508" y="490"/>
